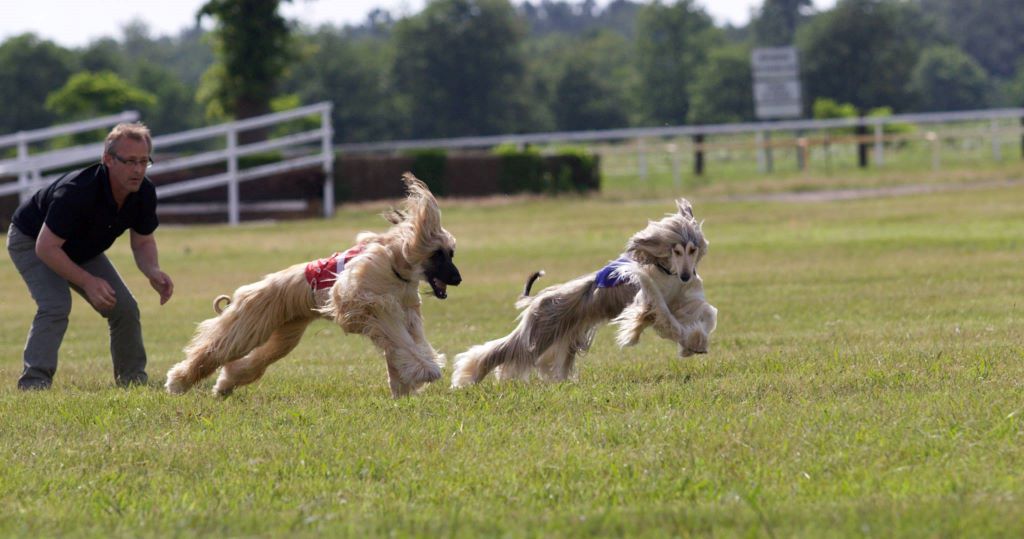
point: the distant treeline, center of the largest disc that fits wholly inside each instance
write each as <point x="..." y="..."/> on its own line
<point x="478" y="67"/>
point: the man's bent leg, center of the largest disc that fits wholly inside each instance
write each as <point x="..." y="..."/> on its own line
<point x="126" y="348"/>
<point x="53" y="305"/>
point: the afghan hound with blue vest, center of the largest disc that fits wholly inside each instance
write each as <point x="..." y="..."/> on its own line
<point x="370" y="289"/>
<point x="654" y="283"/>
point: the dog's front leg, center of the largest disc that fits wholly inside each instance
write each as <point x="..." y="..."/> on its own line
<point x="411" y="364"/>
<point x="633" y="320"/>
<point x="415" y="325"/>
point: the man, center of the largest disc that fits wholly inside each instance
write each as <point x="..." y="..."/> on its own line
<point x="57" y="240"/>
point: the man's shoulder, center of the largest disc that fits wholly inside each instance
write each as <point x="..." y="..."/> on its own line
<point x="82" y="179"/>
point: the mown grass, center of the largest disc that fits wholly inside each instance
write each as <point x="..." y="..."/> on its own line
<point x="864" y="380"/>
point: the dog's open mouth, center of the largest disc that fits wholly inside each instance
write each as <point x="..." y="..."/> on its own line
<point x="439" y="287"/>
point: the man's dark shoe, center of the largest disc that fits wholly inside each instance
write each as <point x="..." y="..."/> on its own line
<point x="33" y="384"/>
<point x="129" y="380"/>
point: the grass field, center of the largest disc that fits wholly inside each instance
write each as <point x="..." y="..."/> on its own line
<point x="865" y="380"/>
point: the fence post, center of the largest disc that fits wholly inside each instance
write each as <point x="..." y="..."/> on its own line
<point x="765" y="163"/>
<point x="879" y="151"/>
<point x="677" y="176"/>
<point x="641" y="159"/>
<point x="862" y="146"/>
<point x="25" y="189"/>
<point x="933" y="139"/>
<point x="698" y="154"/>
<point x="233" y="210"/>
<point x="801" y="153"/>
<point x="325" y="147"/>
<point x="801" y="150"/>
<point x="997" y="152"/>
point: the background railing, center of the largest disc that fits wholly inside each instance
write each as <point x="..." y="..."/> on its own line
<point x="759" y="147"/>
<point x="30" y="168"/>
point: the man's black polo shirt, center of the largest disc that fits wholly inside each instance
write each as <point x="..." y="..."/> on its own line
<point x="80" y="208"/>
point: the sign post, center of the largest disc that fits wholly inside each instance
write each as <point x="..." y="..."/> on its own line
<point x="776" y="74"/>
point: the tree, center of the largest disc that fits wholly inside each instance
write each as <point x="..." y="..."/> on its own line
<point x="459" y="66"/>
<point x="776" y="23"/>
<point x="946" y="78"/>
<point x="723" y="89"/>
<point x="673" y="41"/>
<point x="30" y="69"/>
<point x="354" y="73"/>
<point x="585" y="100"/>
<point x="863" y="51"/>
<point x="88" y="94"/>
<point x="252" y="51"/>
<point x="991" y="31"/>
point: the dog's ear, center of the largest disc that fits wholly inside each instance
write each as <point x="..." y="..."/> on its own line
<point x="685" y="208"/>
<point x="422" y="211"/>
<point x="394" y="215"/>
<point x="645" y="247"/>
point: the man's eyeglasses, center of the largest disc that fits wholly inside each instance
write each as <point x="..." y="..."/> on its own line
<point x="147" y="162"/>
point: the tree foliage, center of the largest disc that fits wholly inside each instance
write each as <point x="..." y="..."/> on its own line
<point x="30" y="68"/>
<point x="991" y="31"/>
<point x="723" y="90"/>
<point x="946" y="78"/>
<point x="460" y="68"/>
<point x="862" y="52"/>
<point x="672" y="42"/>
<point x="468" y="67"/>
<point x="252" y="50"/>
<point x="776" y="23"/>
<point x="88" y="94"/>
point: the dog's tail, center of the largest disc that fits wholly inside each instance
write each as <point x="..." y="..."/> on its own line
<point x="474" y="364"/>
<point x="217" y="307"/>
<point x="529" y="282"/>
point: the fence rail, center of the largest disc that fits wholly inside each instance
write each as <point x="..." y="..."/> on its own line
<point x="29" y="168"/>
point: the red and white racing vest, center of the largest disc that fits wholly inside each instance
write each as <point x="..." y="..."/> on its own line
<point x="322" y="273"/>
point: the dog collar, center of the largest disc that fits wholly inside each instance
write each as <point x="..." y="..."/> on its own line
<point x="663" y="269"/>
<point x="399" y="275"/>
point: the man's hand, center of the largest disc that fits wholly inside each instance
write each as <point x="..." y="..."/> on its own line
<point x="162" y="283"/>
<point x="99" y="293"/>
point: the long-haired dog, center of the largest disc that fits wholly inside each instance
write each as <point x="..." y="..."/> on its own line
<point x="371" y="289"/>
<point x="654" y="283"/>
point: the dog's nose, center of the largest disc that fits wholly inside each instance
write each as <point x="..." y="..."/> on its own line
<point x="456" y="279"/>
<point x="684" y="276"/>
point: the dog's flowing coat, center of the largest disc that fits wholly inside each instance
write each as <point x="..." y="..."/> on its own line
<point x="660" y="288"/>
<point x="376" y="295"/>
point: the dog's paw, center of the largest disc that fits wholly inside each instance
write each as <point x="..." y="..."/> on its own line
<point x="176" y="386"/>
<point x="695" y="342"/>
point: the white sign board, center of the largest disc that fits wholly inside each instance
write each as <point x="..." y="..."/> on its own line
<point x="776" y="73"/>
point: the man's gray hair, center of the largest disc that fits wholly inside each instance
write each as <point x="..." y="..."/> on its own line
<point x="135" y="131"/>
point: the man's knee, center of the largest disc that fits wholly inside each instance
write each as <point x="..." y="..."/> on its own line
<point x="125" y="309"/>
<point x="54" y="311"/>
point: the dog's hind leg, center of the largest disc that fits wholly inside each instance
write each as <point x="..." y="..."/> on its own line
<point x="218" y="341"/>
<point x="250" y="368"/>
<point x="558" y="362"/>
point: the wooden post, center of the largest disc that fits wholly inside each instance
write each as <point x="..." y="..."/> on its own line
<point x="862" y="145"/>
<point x="698" y="154"/>
<point x="801" y="148"/>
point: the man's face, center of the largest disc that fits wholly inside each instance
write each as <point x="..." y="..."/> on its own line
<point x="127" y="165"/>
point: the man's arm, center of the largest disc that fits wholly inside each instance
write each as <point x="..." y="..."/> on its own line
<point x="146" y="258"/>
<point x="98" y="291"/>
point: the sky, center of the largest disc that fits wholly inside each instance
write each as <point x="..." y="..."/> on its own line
<point x="75" y="23"/>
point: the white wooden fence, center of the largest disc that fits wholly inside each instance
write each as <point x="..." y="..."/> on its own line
<point x="30" y="168"/>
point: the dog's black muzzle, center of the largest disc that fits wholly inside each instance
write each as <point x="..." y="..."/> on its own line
<point x="440" y="273"/>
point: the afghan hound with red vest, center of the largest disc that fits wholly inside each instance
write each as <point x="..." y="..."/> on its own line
<point x="371" y="289"/>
